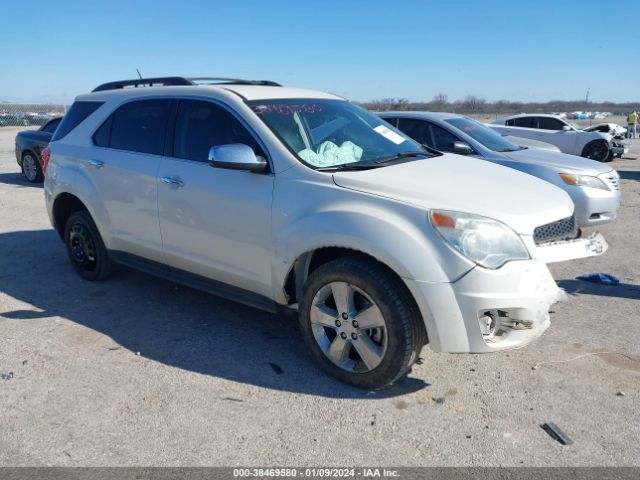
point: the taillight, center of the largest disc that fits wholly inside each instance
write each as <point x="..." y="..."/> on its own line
<point x="45" y="155"/>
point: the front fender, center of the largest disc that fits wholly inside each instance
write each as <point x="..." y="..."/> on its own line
<point x="399" y="237"/>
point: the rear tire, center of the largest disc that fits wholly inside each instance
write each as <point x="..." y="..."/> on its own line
<point x="31" y="168"/>
<point x="85" y="247"/>
<point x="597" y="150"/>
<point x="369" y="350"/>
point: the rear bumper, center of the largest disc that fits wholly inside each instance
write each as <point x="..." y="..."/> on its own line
<point x="18" y="152"/>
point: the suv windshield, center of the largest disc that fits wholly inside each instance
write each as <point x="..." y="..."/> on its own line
<point x="483" y="134"/>
<point x="334" y="133"/>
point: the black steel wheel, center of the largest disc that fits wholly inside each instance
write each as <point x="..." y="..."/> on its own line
<point x="85" y="248"/>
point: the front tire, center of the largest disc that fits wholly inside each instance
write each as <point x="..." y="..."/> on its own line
<point x="85" y="247"/>
<point x="597" y="150"/>
<point x="360" y="322"/>
<point x="31" y="168"/>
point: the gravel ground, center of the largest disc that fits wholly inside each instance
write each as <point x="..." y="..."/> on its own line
<point x="139" y="371"/>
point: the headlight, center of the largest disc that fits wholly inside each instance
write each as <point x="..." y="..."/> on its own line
<point x="583" y="181"/>
<point x="485" y="241"/>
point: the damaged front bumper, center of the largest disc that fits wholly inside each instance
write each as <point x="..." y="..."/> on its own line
<point x="490" y="310"/>
<point x="618" y="149"/>
<point x="593" y="245"/>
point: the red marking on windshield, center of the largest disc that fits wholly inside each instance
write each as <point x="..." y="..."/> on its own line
<point x="285" y="108"/>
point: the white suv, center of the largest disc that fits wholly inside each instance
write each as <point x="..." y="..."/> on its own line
<point x="289" y="199"/>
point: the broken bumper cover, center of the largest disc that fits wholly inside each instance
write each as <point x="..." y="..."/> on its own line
<point x="593" y="245"/>
<point x="518" y="296"/>
<point x="489" y="310"/>
<point x="618" y="149"/>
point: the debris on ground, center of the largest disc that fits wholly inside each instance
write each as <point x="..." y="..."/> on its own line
<point x="601" y="278"/>
<point x="6" y="376"/>
<point x="231" y="399"/>
<point x="593" y="354"/>
<point x="620" y="394"/>
<point x="554" y="431"/>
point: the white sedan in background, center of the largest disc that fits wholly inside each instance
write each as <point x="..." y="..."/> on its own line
<point x="593" y="186"/>
<point x="559" y="132"/>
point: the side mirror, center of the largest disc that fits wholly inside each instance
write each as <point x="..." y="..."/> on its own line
<point x="236" y="156"/>
<point x="462" y="148"/>
<point x="566" y="128"/>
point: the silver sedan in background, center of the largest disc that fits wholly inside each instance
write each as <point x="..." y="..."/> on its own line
<point x="593" y="186"/>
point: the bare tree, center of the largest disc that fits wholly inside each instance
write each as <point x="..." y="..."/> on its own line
<point x="439" y="102"/>
<point x="473" y="104"/>
<point x="390" y="104"/>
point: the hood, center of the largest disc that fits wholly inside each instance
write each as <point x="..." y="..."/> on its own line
<point x="560" y="161"/>
<point x="454" y="182"/>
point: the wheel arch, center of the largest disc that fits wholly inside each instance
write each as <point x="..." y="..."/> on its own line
<point x="63" y="206"/>
<point x="592" y="142"/>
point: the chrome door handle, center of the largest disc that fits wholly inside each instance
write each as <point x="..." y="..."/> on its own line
<point x="96" y="163"/>
<point x="174" y="182"/>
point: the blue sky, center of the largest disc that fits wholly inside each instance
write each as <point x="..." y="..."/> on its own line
<point x="517" y="50"/>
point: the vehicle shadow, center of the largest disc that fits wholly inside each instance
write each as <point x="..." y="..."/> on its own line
<point x="17" y="179"/>
<point x="580" y="287"/>
<point x="167" y="323"/>
<point x="629" y="174"/>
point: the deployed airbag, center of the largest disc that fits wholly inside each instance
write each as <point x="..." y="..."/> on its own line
<point x="329" y="154"/>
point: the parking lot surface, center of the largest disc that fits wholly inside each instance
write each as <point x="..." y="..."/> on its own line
<point x="139" y="371"/>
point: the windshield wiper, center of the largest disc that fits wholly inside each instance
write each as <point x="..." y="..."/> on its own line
<point x="400" y="156"/>
<point x="350" y="166"/>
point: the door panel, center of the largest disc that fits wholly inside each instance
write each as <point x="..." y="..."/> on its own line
<point x="127" y="185"/>
<point x="125" y="171"/>
<point x="214" y="222"/>
<point x="217" y="223"/>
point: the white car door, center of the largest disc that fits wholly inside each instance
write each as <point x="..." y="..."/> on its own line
<point x="124" y="169"/>
<point x="215" y="222"/>
<point x="553" y="132"/>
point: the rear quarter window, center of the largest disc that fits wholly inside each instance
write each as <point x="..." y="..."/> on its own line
<point x="78" y="112"/>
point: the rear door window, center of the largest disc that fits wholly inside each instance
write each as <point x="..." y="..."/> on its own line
<point x="526" y="122"/>
<point x="138" y="126"/>
<point x="418" y="130"/>
<point x="51" y="126"/>
<point x="200" y="125"/>
<point x="391" y="120"/>
<point x="77" y="113"/>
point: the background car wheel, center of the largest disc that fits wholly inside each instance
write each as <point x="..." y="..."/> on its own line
<point x="596" y="150"/>
<point x="31" y="168"/>
<point x="360" y="322"/>
<point x="85" y="248"/>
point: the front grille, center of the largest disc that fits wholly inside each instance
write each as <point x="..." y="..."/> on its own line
<point x="612" y="180"/>
<point x="560" y="230"/>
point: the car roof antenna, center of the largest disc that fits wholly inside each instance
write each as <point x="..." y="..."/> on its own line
<point x="139" y="74"/>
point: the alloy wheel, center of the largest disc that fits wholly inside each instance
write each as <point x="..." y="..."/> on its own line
<point x="348" y="327"/>
<point x="29" y="167"/>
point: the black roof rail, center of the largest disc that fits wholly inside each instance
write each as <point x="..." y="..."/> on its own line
<point x="143" y="82"/>
<point x="168" y="81"/>
<point x="232" y="81"/>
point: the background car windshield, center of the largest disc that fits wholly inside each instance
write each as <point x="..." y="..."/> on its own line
<point x="483" y="134"/>
<point x="325" y="133"/>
